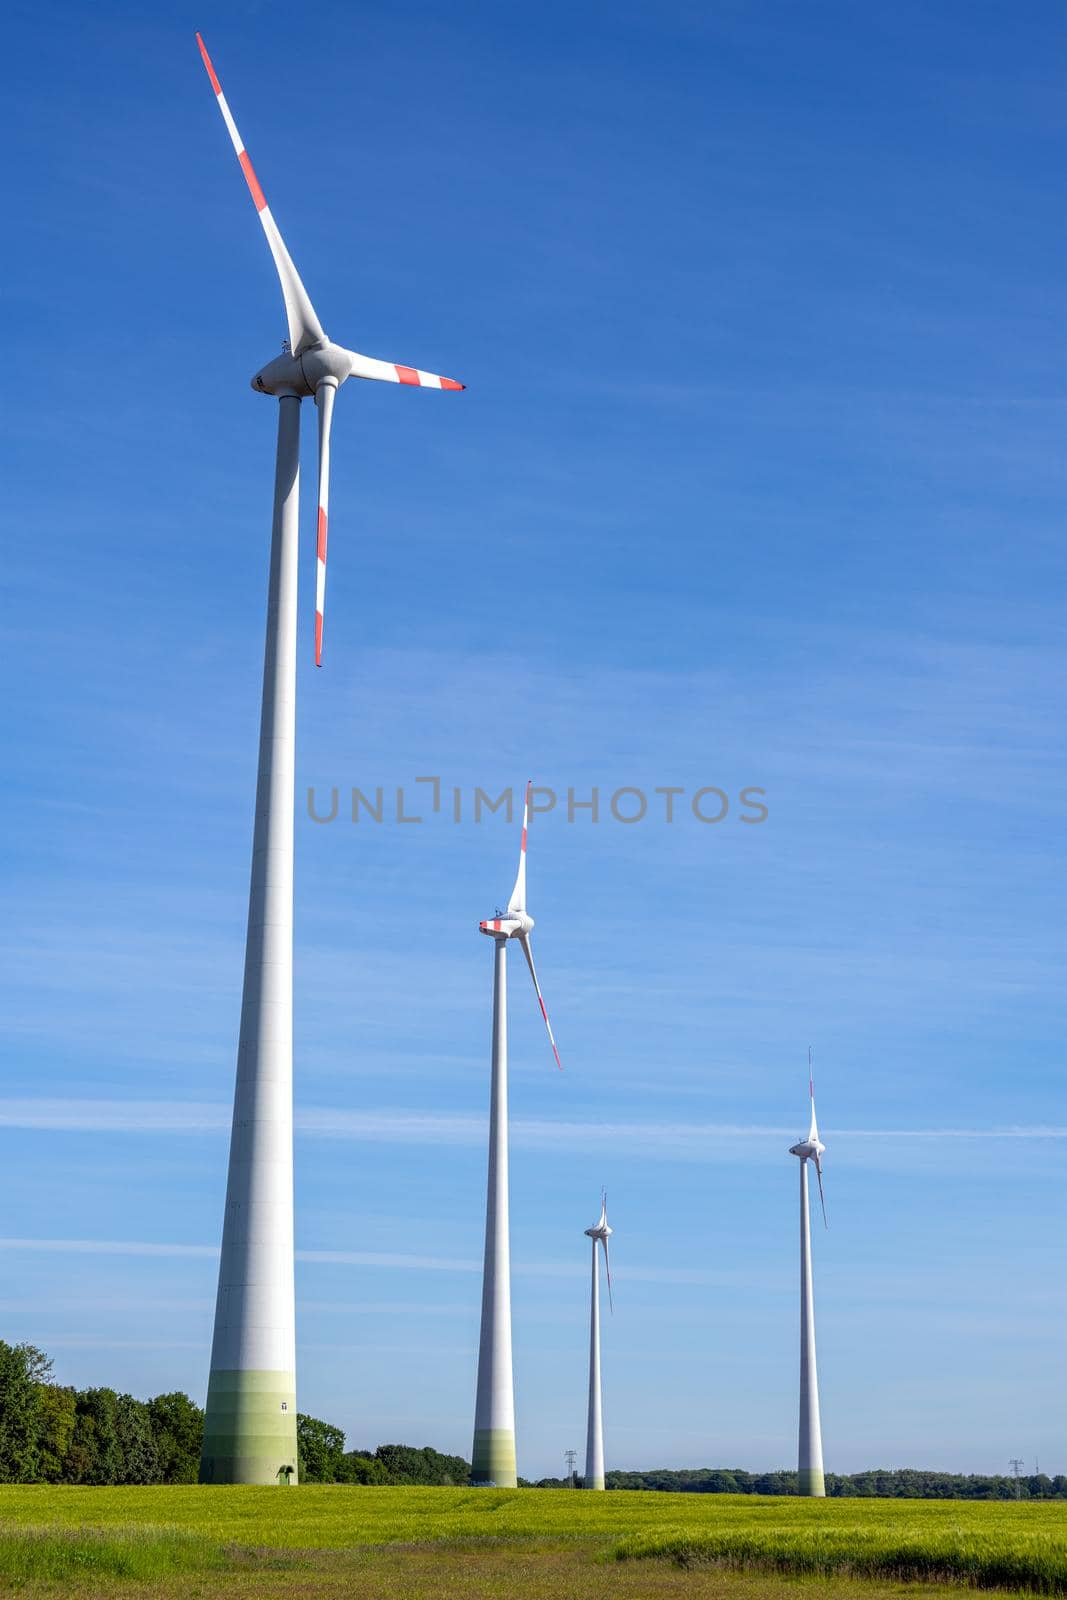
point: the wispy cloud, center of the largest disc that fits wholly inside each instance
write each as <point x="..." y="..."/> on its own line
<point x="114" y="1116"/>
<point x="432" y="1352"/>
<point x="40" y="1305"/>
<point x="395" y="1127"/>
<point x="376" y="1258"/>
<point x="61" y="1342"/>
<point x="368" y="1258"/>
<point x="624" y="1272"/>
<point x="141" y="1247"/>
<point x="35" y="1306"/>
<point x="380" y="1308"/>
<point x="108" y="1247"/>
<point x="452" y="1128"/>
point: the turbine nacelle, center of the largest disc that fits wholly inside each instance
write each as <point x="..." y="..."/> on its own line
<point x="289" y="374"/>
<point x="512" y="926"/>
<point x="807" y="1150"/>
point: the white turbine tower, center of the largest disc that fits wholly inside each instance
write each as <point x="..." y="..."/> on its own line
<point x="810" y="1473"/>
<point x="493" y="1456"/>
<point x="250" y="1423"/>
<point x="594" y="1438"/>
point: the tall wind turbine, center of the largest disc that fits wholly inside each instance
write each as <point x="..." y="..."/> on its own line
<point x="810" y="1473"/>
<point x="493" y="1456"/>
<point x="594" y="1438"/>
<point x="250" y="1423"/>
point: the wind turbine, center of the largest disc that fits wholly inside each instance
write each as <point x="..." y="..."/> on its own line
<point x="594" y="1439"/>
<point x="810" y="1473"/>
<point x="250" y="1422"/>
<point x="493" y="1456"/>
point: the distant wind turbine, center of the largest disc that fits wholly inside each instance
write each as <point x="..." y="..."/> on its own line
<point x="493" y="1456"/>
<point x="250" y="1422"/>
<point x="810" y="1471"/>
<point x="594" y="1439"/>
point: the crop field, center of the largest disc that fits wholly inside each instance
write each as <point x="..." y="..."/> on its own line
<point x="444" y="1544"/>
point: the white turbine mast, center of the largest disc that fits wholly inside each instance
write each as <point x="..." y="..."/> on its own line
<point x="594" y="1438"/>
<point x="493" y="1455"/>
<point x="250" y="1422"/>
<point x="809" y="1463"/>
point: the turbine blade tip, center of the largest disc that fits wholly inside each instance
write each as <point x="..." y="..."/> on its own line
<point x="215" y="84"/>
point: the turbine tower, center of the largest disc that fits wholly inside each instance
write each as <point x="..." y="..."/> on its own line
<point x="810" y="1473"/>
<point x="493" y="1455"/>
<point x="250" y="1422"/>
<point x="594" y="1438"/>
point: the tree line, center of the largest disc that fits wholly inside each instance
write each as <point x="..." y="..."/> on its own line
<point x="50" y="1433"/>
<point x="53" y="1434"/>
<point x="322" y="1458"/>
<point x="901" y="1483"/>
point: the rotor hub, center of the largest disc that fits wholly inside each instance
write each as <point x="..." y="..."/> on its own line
<point x="302" y="374"/>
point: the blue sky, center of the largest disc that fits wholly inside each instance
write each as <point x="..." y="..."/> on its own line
<point x="758" y="481"/>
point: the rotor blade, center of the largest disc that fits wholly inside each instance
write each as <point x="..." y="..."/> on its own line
<point x="324" y="398"/>
<point x="392" y="372"/>
<point x="822" y="1197"/>
<point x="524" y="940"/>
<point x="813" y="1132"/>
<point x="518" y="894"/>
<point x="305" y="329"/>
<point x="607" y="1269"/>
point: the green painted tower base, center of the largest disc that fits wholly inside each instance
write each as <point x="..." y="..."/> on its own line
<point x="811" y="1482"/>
<point x="250" y="1428"/>
<point x="494" y="1458"/>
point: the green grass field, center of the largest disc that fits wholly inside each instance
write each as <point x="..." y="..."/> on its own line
<point x="330" y="1540"/>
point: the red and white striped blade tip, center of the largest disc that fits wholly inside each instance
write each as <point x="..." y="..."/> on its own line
<point x="424" y="380"/>
<point x="540" y="999"/>
<point x="362" y="366"/>
<point x="548" y="1025"/>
